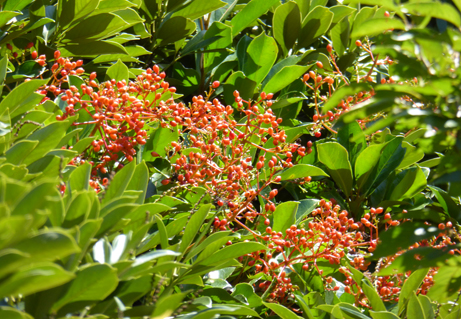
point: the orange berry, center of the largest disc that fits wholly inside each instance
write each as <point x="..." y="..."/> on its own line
<point x="358" y="43"/>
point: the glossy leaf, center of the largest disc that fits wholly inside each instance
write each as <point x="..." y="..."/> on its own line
<point x="198" y="8"/>
<point x="174" y="29"/>
<point x="281" y="311"/>
<point x="314" y="25"/>
<point x="437" y="10"/>
<point x="411" y="284"/>
<point x="351" y="137"/>
<point x="93" y="282"/>
<point x="301" y="171"/>
<point x="118" y="72"/>
<point x="12" y="313"/>
<point x="284" y="78"/>
<point x="335" y="157"/>
<point x="34" y="278"/>
<point x="232" y="251"/>
<point x="120" y="182"/>
<point x="284" y="216"/>
<point x="286" y="24"/>
<point x="376" y="26"/>
<point x="403" y="236"/>
<point x="250" y="13"/>
<point x="193" y="226"/>
<point x="261" y="55"/>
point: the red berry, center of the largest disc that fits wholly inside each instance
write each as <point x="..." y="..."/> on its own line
<point x="318" y="134"/>
<point x="57" y="54"/>
<point x="165" y="182"/>
<point x="34" y="55"/>
<point x="319" y="65"/>
<point x="29" y="45"/>
<point x="329" y="48"/>
<point x="215" y="84"/>
<point x="386" y="14"/>
<point x="9" y="46"/>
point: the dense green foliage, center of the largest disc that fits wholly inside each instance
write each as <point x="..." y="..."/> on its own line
<point x="231" y="159"/>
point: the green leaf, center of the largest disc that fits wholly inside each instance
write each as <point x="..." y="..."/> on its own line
<point x="21" y="97"/>
<point x="301" y="171"/>
<point x="230" y="252"/>
<point x="114" y="5"/>
<point x="198" y="8"/>
<point x="48" y="245"/>
<point x="6" y="16"/>
<point x="222" y="235"/>
<point x="193" y="226"/>
<point x="261" y="55"/>
<point x="29" y="69"/>
<point x="403" y="236"/>
<point x="376" y="26"/>
<point x="426" y="305"/>
<point x="73" y="10"/>
<point x="78" y="211"/>
<point x="247" y="290"/>
<point x="159" y="141"/>
<point x="382" y="315"/>
<point x="249" y="14"/>
<point x="352" y="138"/>
<point x="227" y="309"/>
<point x="281" y="311"/>
<point x="48" y="138"/>
<point x="12" y="313"/>
<point x="340" y="12"/>
<point x="93" y="49"/>
<point x="447" y="282"/>
<point x="36" y="200"/>
<point x="343" y="93"/>
<point x="409" y="287"/>
<point x="375" y="300"/>
<point x="447" y="203"/>
<point x="3" y="71"/>
<point x="34" y="278"/>
<point x="92" y="282"/>
<point x="407" y="184"/>
<point x="238" y="81"/>
<point x="412" y="155"/>
<point x="443" y="11"/>
<point x="284" y="216"/>
<point x="113" y="216"/>
<point x="335" y="158"/>
<point x="174" y="29"/>
<point x="286" y="25"/>
<point x="382" y="161"/>
<point x="340" y="37"/>
<point x="284" y="77"/>
<point x="102" y="25"/>
<point x="20" y="151"/>
<point x="118" y="72"/>
<point x="120" y="182"/>
<point x="79" y="179"/>
<point x="414" y="308"/>
<point x="139" y="181"/>
<point x="314" y="25"/>
<point x="217" y="29"/>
